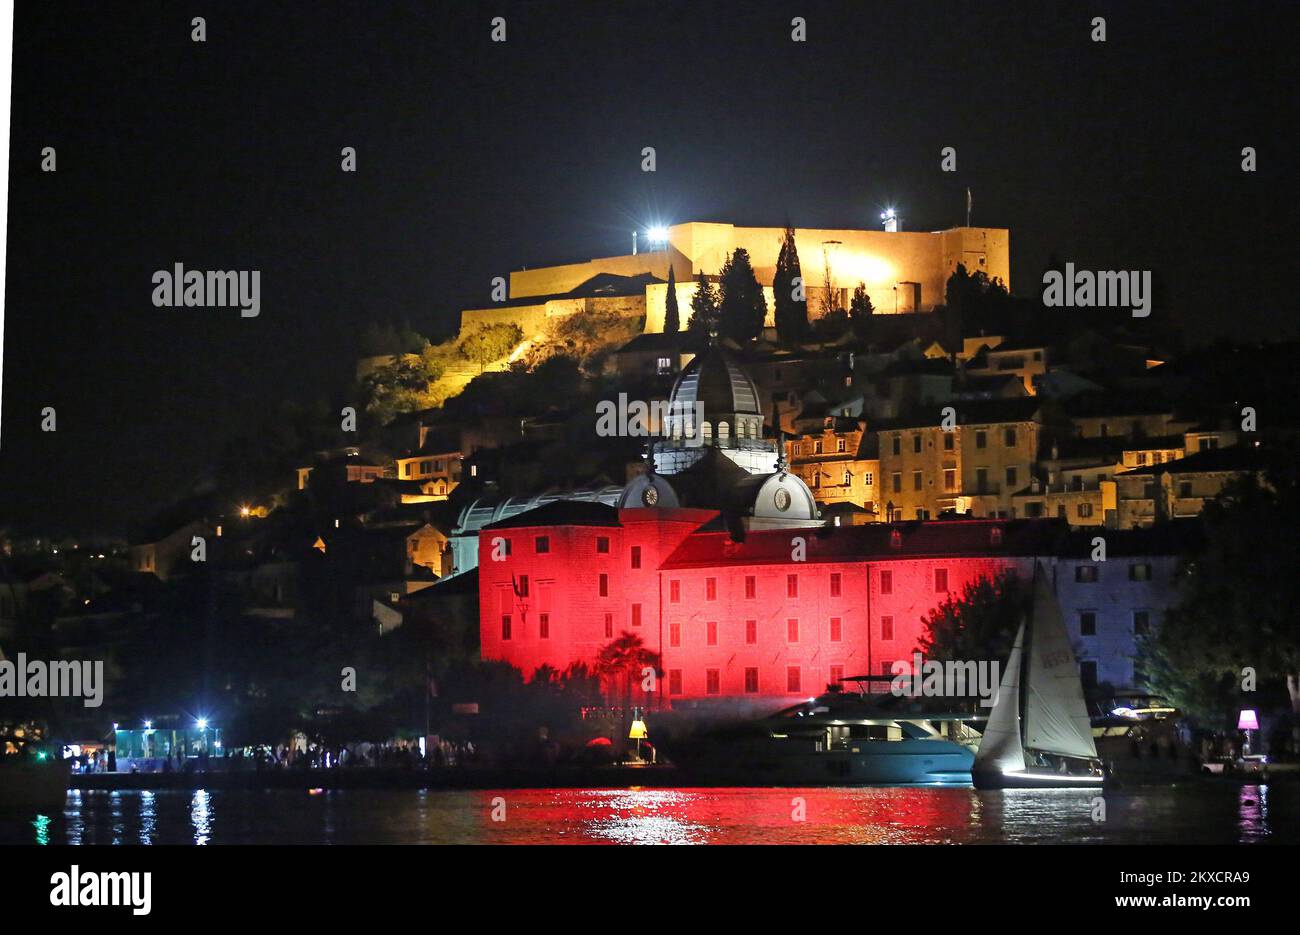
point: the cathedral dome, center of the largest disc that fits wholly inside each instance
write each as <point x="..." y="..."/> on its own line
<point x="715" y="380"/>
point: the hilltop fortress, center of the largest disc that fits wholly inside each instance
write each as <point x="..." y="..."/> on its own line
<point x="904" y="272"/>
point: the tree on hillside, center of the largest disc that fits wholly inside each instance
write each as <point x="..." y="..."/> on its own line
<point x="860" y="312"/>
<point x="671" y="323"/>
<point x="490" y="342"/>
<point x="741" y="306"/>
<point x="830" y="295"/>
<point x="1237" y="608"/>
<point x="978" y="299"/>
<point x="979" y="624"/>
<point x="406" y="384"/>
<point x="791" y="313"/>
<point x="704" y="308"/>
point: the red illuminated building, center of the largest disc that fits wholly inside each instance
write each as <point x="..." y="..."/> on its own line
<point x="724" y="569"/>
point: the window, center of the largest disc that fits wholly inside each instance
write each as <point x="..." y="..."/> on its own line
<point x="1088" y="673"/>
<point x="544" y="626"/>
<point x="712" y="682"/>
<point x="817" y="447"/>
<point x="868" y="479"/>
<point x="1141" y="622"/>
<point x="636" y="615"/>
<point x="1011" y="478"/>
<point x="792" y="680"/>
<point x="710" y="589"/>
<point x="751" y="632"/>
<point x="751" y="587"/>
<point x="542" y="544"/>
<point x="674" y="592"/>
<point x="665" y="365"/>
<point x="848" y="478"/>
<point x="406" y="469"/>
<point x="837" y="629"/>
<point x="839" y="445"/>
<point x="1085" y="574"/>
<point x="916" y="443"/>
<point x="887" y="667"/>
<point x="1088" y="623"/>
<point x="887" y="628"/>
<point x="886" y="582"/>
<point x="711" y="633"/>
<point x="505" y="626"/>
<point x="792" y="630"/>
<point x="609" y="626"/>
<point x="602" y="545"/>
<point x="1085" y="510"/>
<point x="1141" y="458"/>
<point x="941" y="580"/>
<point x="791" y="585"/>
<point x="674" y="634"/>
<point x="674" y="681"/>
<point x="948" y="440"/>
<point x="1184" y="490"/>
<point x="1009" y="437"/>
<point x="950" y="479"/>
<point x="837" y="674"/>
<point x="835" y="584"/>
<point x="981" y="440"/>
<point x="1139" y="571"/>
<point x="636" y="556"/>
<point x="751" y="681"/>
<point x="604" y="585"/>
<point x="896" y="479"/>
<point x="981" y="480"/>
<point x="898" y="444"/>
<point x="523" y="586"/>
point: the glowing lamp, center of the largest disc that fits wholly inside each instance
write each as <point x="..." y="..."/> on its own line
<point x="657" y="235"/>
<point x="201" y="723"/>
<point x="1248" y="720"/>
<point x="244" y="511"/>
<point x="638" y="731"/>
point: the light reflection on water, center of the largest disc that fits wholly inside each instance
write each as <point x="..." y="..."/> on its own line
<point x="1191" y="813"/>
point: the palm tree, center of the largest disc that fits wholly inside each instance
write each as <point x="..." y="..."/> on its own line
<point x="627" y="657"/>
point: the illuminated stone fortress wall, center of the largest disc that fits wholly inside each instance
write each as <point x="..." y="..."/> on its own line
<point x="904" y="271"/>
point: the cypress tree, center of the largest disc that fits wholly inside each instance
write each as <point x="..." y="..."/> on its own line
<point x="791" y="314"/>
<point x="671" y="324"/>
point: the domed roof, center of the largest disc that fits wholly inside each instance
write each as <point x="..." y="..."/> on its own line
<point x="716" y="381"/>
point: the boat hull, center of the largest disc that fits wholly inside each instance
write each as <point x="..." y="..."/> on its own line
<point x="1034" y="779"/>
<point x="921" y="762"/>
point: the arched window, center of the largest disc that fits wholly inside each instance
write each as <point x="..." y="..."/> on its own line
<point x="724" y="433"/>
<point x="707" y="432"/>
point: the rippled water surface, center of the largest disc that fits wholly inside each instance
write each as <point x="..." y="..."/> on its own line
<point x="1186" y="814"/>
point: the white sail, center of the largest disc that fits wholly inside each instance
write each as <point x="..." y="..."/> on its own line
<point x="1000" y="749"/>
<point x="1056" y="718"/>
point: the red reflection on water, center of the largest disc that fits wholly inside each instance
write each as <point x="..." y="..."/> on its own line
<point x="728" y="816"/>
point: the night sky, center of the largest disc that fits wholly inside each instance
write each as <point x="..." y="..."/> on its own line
<point x="476" y="158"/>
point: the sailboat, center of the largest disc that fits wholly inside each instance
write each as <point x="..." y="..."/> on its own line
<point x="1039" y="734"/>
